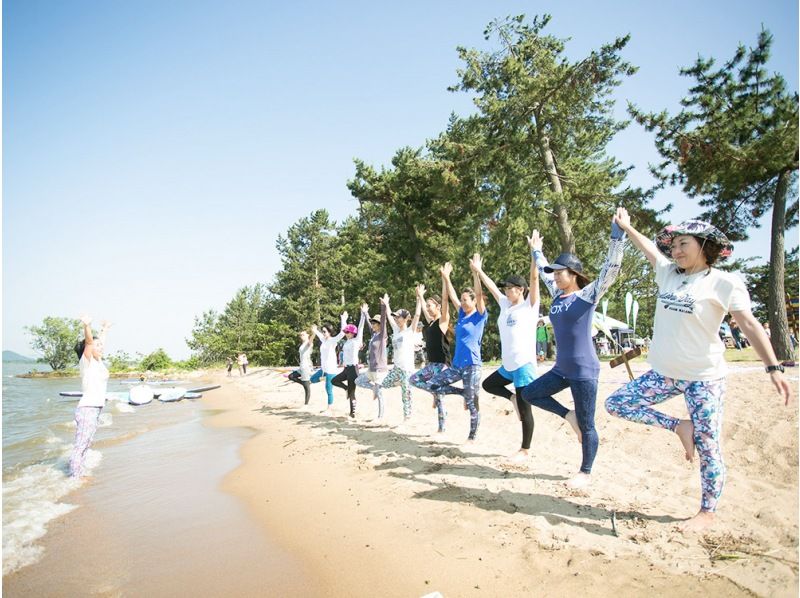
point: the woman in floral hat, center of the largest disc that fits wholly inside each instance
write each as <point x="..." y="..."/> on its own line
<point x="686" y="354"/>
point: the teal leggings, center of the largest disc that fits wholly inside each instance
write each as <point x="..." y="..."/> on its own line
<point x="317" y="376"/>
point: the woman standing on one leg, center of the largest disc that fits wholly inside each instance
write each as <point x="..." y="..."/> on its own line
<point x="437" y="348"/>
<point x="577" y="366"/>
<point x="517" y="325"/>
<point x="402" y="355"/>
<point x="327" y="352"/>
<point x="472" y="316"/>
<point x="376" y="357"/>
<point x="302" y="375"/>
<point x="350" y="360"/>
<point x="686" y="354"/>
<point x="94" y="382"/>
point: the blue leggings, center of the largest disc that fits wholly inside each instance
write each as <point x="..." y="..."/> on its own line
<point x="539" y="393"/>
<point x="317" y="376"/>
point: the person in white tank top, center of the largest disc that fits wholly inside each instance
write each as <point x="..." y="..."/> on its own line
<point x="94" y="383"/>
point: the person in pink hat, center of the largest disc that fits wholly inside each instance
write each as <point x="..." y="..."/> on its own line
<point x="686" y="353"/>
<point x="350" y="351"/>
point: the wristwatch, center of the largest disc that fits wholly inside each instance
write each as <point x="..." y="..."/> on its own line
<point x="774" y="368"/>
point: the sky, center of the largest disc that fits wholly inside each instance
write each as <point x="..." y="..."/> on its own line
<point x="154" y="151"/>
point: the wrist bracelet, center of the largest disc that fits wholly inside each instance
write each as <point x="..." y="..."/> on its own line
<point x="774" y="368"/>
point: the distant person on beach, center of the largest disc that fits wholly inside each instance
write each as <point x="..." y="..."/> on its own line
<point x="686" y="354"/>
<point x="517" y="325"/>
<point x="437" y="348"/>
<point x="377" y="363"/>
<point x="466" y="363"/>
<point x="542" y="338"/>
<point x="403" y="344"/>
<point x="302" y="375"/>
<point x="327" y="352"/>
<point x="350" y="349"/>
<point x="229" y="364"/>
<point x="242" y="361"/>
<point x="577" y="366"/>
<point x="94" y="383"/>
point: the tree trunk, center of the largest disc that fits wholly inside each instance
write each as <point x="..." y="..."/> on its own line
<point x="776" y="299"/>
<point x="562" y="218"/>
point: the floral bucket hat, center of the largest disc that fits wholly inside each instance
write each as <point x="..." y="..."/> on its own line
<point x="696" y="228"/>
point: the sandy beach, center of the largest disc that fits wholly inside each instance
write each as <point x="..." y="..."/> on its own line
<point x="396" y="510"/>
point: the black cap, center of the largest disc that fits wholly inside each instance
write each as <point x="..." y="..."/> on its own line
<point x="513" y="281"/>
<point x="565" y="261"/>
<point x="401" y="313"/>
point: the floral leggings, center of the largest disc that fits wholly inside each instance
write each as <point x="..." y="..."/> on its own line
<point x="470" y="377"/>
<point x="704" y="403"/>
<point x="422" y="378"/>
<point x="86" y="420"/>
<point x="400" y="376"/>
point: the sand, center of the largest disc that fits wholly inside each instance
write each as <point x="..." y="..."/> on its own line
<point x="397" y="510"/>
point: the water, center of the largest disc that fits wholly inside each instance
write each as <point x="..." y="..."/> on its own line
<point x="38" y="431"/>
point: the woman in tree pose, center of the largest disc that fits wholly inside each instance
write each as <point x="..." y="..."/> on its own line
<point x="517" y="325"/>
<point x="94" y="382"/>
<point x="302" y="375"/>
<point x="376" y="357"/>
<point x="327" y="352"/>
<point x="350" y="351"/>
<point x="466" y="365"/>
<point x="577" y="366"/>
<point x="437" y="348"/>
<point x="402" y="355"/>
<point x="686" y="355"/>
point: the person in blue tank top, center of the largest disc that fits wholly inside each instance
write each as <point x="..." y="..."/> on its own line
<point x="577" y="366"/>
<point x="466" y="363"/>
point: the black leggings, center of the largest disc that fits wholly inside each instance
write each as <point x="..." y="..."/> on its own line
<point x="349" y="373"/>
<point x="496" y="384"/>
<point x="295" y="377"/>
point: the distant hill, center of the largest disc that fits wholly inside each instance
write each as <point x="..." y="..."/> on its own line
<point x="11" y="356"/>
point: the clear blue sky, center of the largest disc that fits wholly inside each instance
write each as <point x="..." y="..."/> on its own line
<point x="153" y="151"/>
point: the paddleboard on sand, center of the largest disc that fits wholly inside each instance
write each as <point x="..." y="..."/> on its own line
<point x="168" y="395"/>
<point x="192" y="395"/>
<point x="204" y="388"/>
<point x="140" y="395"/>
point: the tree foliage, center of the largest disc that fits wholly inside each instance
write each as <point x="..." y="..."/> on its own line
<point x="55" y="340"/>
<point x="734" y="145"/>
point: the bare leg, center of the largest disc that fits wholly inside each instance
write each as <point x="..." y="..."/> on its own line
<point x="685" y="431"/>
<point x="573" y="421"/>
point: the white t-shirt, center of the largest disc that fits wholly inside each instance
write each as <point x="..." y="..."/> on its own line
<point x="403" y="348"/>
<point x="350" y="351"/>
<point x="689" y="311"/>
<point x="517" y="324"/>
<point x="94" y="382"/>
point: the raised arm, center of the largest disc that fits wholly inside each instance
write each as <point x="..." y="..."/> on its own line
<point x="444" y="319"/>
<point x="104" y="326"/>
<point x="642" y="243"/>
<point x="421" y="303"/>
<point x="384" y="316"/>
<point x="611" y="266"/>
<point x="477" y="267"/>
<point x="88" y="337"/>
<point x="533" y="283"/>
<point x="535" y="242"/>
<point x="342" y="323"/>
<point x="315" y="331"/>
<point x="362" y="321"/>
<point x="451" y="290"/>
<point x="417" y="312"/>
<point x="390" y="318"/>
<point x="480" y="301"/>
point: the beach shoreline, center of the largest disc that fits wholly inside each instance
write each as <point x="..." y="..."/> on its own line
<point x="421" y="513"/>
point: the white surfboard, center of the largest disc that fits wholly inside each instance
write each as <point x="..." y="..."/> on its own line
<point x="140" y="395"/>
<point x="168" y="395"/>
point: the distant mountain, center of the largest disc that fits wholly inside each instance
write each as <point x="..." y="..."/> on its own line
<point x="11" y="356"/>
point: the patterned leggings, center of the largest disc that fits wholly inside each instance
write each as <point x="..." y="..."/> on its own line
<point x="400" y="376"/>
<point x="422" y="378"/>
<point x="470" y="377"/>
<point x="86" y="419"/>
<point x="704" y="403"/>
<point x="374" y="381"/>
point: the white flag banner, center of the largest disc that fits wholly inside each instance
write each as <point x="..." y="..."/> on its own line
<point x="628" y="304"/>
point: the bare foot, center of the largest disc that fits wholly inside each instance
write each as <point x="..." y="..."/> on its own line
<point x="519" y="457"/>
<point x="581" y="480"/>
<point x="328" y="411"/>
<point x="573" y="421"/>
<point x="703" y="520"/>
<point x="685" y="432"/>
